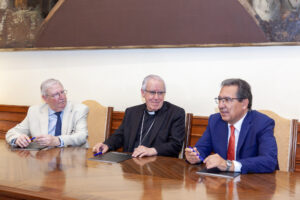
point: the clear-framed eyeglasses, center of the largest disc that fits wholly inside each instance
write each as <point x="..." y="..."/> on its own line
<point x="57" y="95"/>
<point x="225" y="100"/>
<point x="153" y="93"/>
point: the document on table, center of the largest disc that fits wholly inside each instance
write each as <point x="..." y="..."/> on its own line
<point x="218" y="173"/>
<point x="112" y="157"/>
<point x="33" y="146"/>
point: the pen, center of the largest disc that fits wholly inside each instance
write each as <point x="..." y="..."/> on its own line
<point x="99" y="153"/>
<point x="200" y="157"/>
<point x="32" y="138"/>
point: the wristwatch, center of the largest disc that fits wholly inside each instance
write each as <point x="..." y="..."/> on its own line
<point x="228" y="164"/>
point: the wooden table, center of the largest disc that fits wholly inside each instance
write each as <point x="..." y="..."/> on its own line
<point x="68" y="174"/>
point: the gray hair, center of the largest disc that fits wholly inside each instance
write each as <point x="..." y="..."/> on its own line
<point x="244" y="89"/>
<point x="150" y="77"/>
<point x="48" y="83"/>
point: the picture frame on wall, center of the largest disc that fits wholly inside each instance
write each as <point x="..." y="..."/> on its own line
<point x="77" y="24"/>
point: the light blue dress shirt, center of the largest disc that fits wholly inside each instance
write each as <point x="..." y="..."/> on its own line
<point x="52" y="124"/>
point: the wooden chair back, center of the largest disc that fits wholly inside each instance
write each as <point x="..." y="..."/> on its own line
<point x="195" y="127"/>
<point x="97" y="121"/>
<point x="285" y="132"/>
<point x="115" y="119"/>
<point x="10" y="116"/>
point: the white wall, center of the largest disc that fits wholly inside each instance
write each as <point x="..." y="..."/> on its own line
<point x="192" y="75"/>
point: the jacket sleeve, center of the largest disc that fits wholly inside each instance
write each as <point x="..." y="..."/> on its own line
<point x="204" y="144"/>
<point x="266" y="159"/>
<point x="21" y="128"/>
<point x="176" y="133"/>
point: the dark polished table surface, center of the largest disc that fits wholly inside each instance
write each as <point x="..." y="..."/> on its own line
<point x="66" y="173"/>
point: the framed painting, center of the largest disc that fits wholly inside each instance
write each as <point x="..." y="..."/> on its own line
<point x="68" y="24"/>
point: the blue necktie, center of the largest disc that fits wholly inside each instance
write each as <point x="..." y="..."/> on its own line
<point x="58" y="124"/>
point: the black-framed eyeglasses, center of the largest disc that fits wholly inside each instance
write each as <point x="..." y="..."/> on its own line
<point x="226" y="100"/>
<point x="153" y="93"/>
<point x="56" y="95"/>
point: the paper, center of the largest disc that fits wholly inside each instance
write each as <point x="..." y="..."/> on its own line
<point x="112" y="157"/>
<point x="32" y="146"/>
<point x="216" y="172"/>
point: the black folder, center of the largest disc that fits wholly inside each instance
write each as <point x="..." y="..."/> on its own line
<point x="33" y="146"/>
<point x="112" y="157"/>
<point x="218" y="173"/>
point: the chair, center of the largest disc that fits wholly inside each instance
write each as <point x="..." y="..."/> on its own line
<point x="10" y="116"/>
<point x="194" y="129"/>
<point x="97" y="121"/>
<point x="285" y="132"/>
<point x="114" y="120"/>
<point x="188" y="123"/>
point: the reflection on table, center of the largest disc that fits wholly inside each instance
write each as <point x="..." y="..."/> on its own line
<point x="66" y="173"/>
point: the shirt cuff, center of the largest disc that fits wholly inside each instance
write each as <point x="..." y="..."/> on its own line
<point x="61" y="142"/>
<point x="237" y="166"/>
<point x="13" y="142"/>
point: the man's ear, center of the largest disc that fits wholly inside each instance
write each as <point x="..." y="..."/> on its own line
<point x="245" y="103"/>
<point x="44" y="98"/>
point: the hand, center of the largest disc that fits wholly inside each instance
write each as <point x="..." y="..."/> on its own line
<point x="215" y="161"/>
<point x="192" y="156"/>
<point x="48" y="155"/>
<point x="144" y="161"/>
<point x="47" y="140"/>
<point x="213" y="184"/>
<point x="23" y="141"/>
<point x="23" y="153"/>
<point x="100" y="147"/>
<point x="142" y="151"/>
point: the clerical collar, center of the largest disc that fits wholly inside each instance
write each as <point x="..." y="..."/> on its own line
<point x="155" y="112"/>
<point x="151" y="112"/>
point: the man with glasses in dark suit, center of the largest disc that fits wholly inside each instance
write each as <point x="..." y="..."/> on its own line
<point x="154" y="128"/>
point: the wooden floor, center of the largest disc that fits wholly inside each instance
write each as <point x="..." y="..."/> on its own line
<point x="68" y="174"/>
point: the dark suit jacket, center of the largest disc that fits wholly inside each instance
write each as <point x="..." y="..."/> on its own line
<point x="166" y="135"/>
<point x="256" y="148"/>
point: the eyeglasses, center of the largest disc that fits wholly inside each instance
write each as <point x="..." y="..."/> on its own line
<point x="226" y="100"/>
<point x="153" y="93"/>
<point x="57" y="95"/>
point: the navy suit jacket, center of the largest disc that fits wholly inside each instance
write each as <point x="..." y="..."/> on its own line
<point x="256" y="148"/>
<point x="166" y="135"/>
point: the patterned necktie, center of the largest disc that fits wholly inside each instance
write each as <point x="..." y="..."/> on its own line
<point x="58" y="124"/>
<point x="231" y="145"/>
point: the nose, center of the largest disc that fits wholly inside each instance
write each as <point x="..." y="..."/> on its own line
<point x="61" y="95"/>
<point x="221" y="104"/>
<point x="156" y="95"/>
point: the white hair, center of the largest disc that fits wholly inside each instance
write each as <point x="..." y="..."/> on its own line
<point x="48" y="83"/>
<point x="151" y="77"/>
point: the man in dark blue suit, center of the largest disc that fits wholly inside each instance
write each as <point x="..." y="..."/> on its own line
<point x="241" y="139"/>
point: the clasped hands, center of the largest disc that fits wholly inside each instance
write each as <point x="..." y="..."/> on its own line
<point x="45" y="140"/>
<point x="210" y="161"/>
<point x="140" y="151"/>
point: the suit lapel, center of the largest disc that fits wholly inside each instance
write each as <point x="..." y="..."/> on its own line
<point x="243" y="133"/>
<point x="223" y="138"/>
<point x="67" y="114"/>
<point x="135" y="126"/>
<point x="44" y="119"/>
